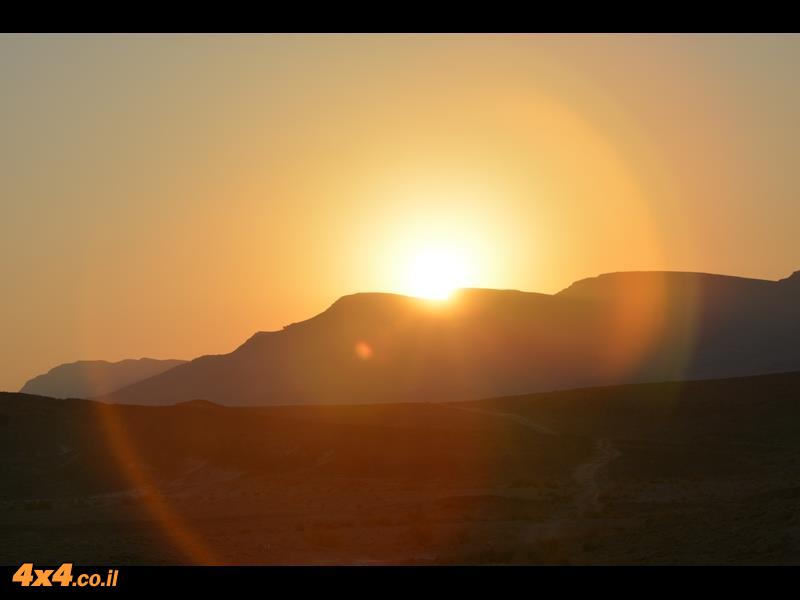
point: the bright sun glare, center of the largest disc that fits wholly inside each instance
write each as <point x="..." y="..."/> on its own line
<point x="435" y="272"/>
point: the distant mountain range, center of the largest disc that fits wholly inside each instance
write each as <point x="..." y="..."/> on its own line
<point x="612" y="329"/>
<point x="88" y="378"/>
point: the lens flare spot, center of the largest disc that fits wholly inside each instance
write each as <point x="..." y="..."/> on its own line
<point x="363" y="350"/>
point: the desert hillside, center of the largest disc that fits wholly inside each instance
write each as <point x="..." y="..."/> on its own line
<point x="694" y="472"/>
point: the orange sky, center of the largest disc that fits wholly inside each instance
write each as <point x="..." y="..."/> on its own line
<point x="167" y="196"/>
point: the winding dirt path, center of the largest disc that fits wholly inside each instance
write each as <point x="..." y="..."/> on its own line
<point x="587" y="498"/>
<point x="585" y="475"/>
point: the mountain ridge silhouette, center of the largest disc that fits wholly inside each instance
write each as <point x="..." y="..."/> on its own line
<point x="87" y="378"/>
<point x="616" y="328"/>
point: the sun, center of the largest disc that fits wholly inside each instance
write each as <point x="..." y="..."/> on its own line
<point x="435" y="272"/>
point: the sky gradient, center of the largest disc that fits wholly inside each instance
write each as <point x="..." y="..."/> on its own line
<point x="168" y="196"/>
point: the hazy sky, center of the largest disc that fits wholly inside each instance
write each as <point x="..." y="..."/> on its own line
<point x="168" y="196"/>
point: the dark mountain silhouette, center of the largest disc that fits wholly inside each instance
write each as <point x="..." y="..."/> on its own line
<point x="88" y="378"/>
<point x="612" y="329"/>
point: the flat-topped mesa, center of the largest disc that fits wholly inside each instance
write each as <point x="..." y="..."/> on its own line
<point x="366" y="304"/>
<point x="460" y="298"/>
<point x="369" y="310"/>
<point x="792" y="280"/>
<point x="625" y="281"/>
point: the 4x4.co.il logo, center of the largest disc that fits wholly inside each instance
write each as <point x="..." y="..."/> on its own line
<point x="27" y="575"/>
